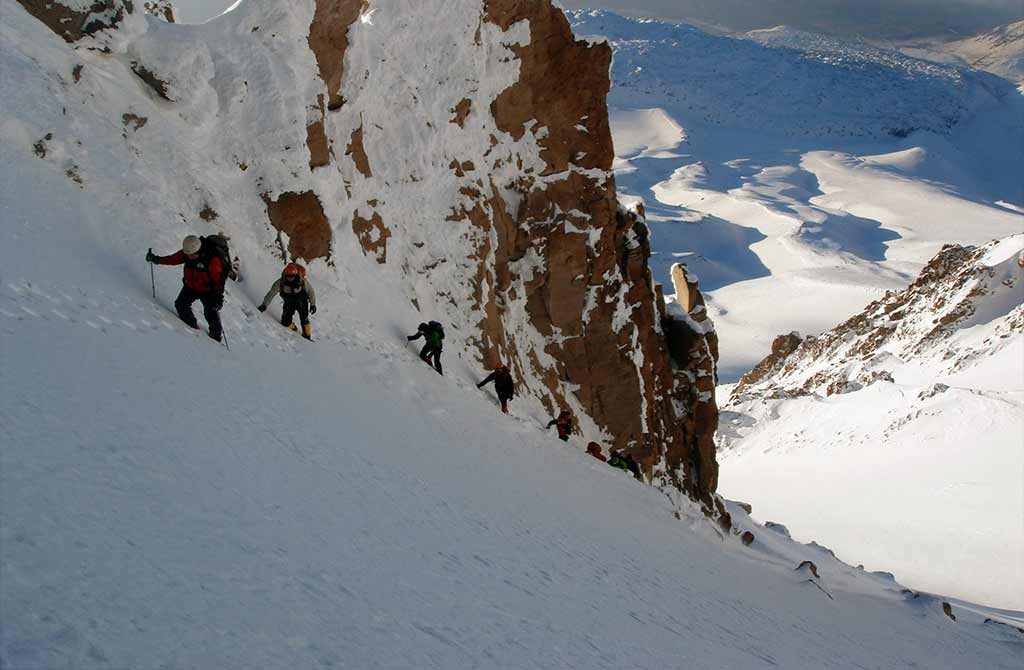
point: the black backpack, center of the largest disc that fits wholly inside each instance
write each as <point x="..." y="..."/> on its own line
<point x="437" y="328"/>
<point x="217" y="246"/>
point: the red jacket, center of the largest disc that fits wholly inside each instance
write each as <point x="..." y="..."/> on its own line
<point x="200" y="276"/>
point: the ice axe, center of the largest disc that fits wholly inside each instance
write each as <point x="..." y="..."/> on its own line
<point x="152" y="276"/>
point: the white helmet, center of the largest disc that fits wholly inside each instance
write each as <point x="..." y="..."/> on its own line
<point x="191" y="244"/>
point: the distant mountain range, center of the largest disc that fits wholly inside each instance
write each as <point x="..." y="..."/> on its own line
<point x="866" y="18"/>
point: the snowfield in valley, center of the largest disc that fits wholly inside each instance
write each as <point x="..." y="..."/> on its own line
<point x="801" y="177"/>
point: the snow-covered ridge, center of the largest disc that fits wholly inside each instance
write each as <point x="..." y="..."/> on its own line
<point x="903" y="426"/>
<point x="966" y="307"/>
<point x="1000" y="51"/>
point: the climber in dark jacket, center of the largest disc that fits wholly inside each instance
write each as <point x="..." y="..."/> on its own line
<point x="617" y="461"/>
<point x="433" y="334"/>
<point x="633" y="467"/>
<point x="564" y="425"/>
<point x="503" y="385"/>
<point x="203" y="280"/>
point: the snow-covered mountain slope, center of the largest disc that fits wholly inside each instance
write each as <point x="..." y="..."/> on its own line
<point x="166" y="502"/>
<point x="881" y="18"/>
<point x="799" y="176"/>
<point x="474" y="199"/>
<point x="896" y="437"/>
<point x="999" y="51"/>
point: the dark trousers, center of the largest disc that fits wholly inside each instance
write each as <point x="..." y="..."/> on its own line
<point x="503" y="398"/>
<point x="212" y="302"/>
<point x="430" y="351"/>
<point x="292" y="305"/>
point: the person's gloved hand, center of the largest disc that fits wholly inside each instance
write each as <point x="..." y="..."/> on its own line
<point x="312" y="309"/>
<point x="262" y="308"/>
<point x="150" y="258"/>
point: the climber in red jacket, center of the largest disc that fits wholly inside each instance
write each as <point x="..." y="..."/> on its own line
<point x="563" y="424"/>
<point x="203" y="280"/>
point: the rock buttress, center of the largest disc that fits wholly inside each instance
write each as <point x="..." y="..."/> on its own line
<point x="593" y="299"/>
<point x="72" y="23"/>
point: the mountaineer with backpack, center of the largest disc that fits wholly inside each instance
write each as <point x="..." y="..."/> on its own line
<point x="616" y="460"/>
<point x="633" y="467"/>
<point x="564" y="425"/>
<point x="298" y="296"/>
<point x="208" y="266"/>
<point x="433" y="335"/>
<point x="503" y="386"/>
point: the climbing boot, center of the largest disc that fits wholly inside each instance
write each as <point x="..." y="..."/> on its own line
<point x="307" y="331"/>
<point x="291" y="326"/>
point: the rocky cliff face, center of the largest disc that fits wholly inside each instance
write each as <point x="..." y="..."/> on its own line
<point x="470" y="166"/>
<point x="929" y="324"/>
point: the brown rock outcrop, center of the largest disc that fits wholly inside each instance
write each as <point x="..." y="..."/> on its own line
<point x="593" y="299"/>
<point x="916" y="322"/>
<point x="316" y="139"/>
<point x="73" y="25"/>
<point x="358" y="153"/>
<point x="319" y="147"/>
<point x="158" y="85"/>
<point x="563" y="84"/>
<point x="461" y="111"/>
<point x="373" y="235"/>
<point x="301" y="217"/>
<point x="160" y="8"/>
<point x="808" y="566"/>
<point x="782" y="347"/>
<point x="328" y="39"/>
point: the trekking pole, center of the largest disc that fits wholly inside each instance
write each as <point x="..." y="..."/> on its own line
<point x="224" y="333"/>
<point x="152" y="279"/>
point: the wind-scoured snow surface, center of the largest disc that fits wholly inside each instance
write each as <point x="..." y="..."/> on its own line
<point x="802" y="176"/>
<point x="167" y="503"/>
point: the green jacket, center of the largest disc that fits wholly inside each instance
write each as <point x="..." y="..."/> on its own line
<point x="618" y="462"/>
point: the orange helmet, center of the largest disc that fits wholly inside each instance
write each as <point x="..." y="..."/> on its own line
<point x="294" y="269"/>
